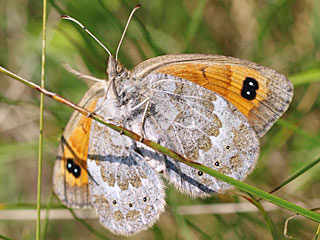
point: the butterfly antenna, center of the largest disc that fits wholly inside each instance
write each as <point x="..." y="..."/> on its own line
<point x="84" y="28"/>
<point x="125" y="29"/>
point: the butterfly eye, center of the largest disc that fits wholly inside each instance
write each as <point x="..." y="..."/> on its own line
<point x="119" y="68"/>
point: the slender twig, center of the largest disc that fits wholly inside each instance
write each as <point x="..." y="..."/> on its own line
<point x="43" y="63"/>
<point x="238" y="184"/>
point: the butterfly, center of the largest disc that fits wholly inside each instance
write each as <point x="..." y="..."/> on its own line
<point x="209" y="108"/>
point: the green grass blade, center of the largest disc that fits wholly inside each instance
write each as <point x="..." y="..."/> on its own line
<point x="265" y="215"/>
<point x="257" y="192"/>
<point x="181" y="222"/>
<point x="299" y="131"/>
<point x="5" y="238"/>
<point x="316" y="237"/>
<point x="40" y="150"/>
<point x="156" y="50"/>
<point x="46" y="222"/>
<point x="158" y="234"/>
<point x="194" y="24"/>
<point x="297" y="174"/>
<point x="238" y="184"/>
<point x="306" y="77"/>
<point x="199" y="230"/>
<point x="272" y="13"/>
<point x="88" y="226"/>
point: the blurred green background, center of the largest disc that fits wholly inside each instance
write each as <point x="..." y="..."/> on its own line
<point x="281" y="34"/>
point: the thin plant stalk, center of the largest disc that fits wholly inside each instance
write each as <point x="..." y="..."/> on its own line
<point x="316" y="237"/>
<point x="43" y="63"/>
<point x="238" y="184"/>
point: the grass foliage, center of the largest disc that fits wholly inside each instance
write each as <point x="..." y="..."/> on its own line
<point x="281" y="34"/>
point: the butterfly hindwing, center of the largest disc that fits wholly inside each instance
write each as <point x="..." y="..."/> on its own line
<point x="127" y="193"/>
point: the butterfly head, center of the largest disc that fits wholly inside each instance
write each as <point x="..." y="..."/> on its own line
<point x="116" y="70"/>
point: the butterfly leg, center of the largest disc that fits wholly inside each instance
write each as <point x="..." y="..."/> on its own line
<point x="143" y="121"/>
<point x="107" y="87"/>
<point x="147" y="103"/>
<point x="154" y="159"/>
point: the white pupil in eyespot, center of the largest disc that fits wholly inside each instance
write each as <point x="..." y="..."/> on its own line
<point x="248" y="92"/>
<point x="69" y="165"/>
<point x="75" y="170"/>
<point x="251" y="83"/>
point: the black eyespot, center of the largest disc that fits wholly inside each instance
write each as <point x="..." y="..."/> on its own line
<point x="76" y="171"/>
<point x="227" y="147"/>
<point x="200" y="173"/>
<point x="249" y="87"/>
<point x="217" y="163"/>
<point x="145" y="199"/>
<point x="70" y="165"/>
<point x="130" y="204"/>
<point x="73" y="168"/>
<point x="114" y="202"/>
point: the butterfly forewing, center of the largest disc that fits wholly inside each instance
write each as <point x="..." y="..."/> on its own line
<point x="70" y="176"/>
<point x="260" y="93"/>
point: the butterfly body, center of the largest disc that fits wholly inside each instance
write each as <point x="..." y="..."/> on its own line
<point x="208" y="108"/>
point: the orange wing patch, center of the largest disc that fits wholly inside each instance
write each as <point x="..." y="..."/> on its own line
<point x="225" y="80"/>
<point x="75" y="151"/>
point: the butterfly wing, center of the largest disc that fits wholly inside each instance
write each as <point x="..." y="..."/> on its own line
<point x="127" y="193"/>
<point x="202" y="126"/>
<point x="70" y="175"/>
<point x="260" y="93"/>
